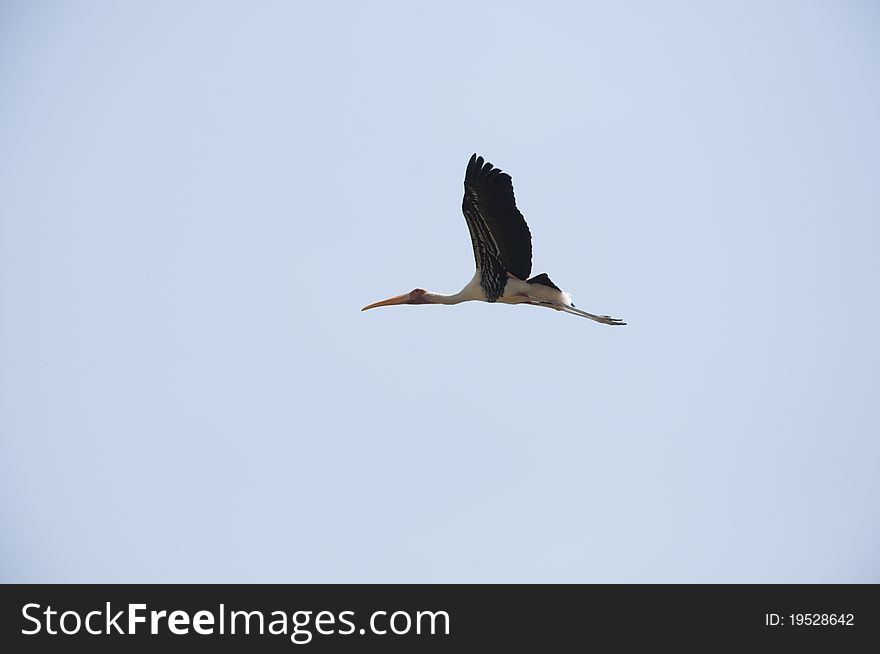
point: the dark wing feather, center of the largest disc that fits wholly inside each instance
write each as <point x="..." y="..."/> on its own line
<point x="498" y="230"/>
<point x="544" y="280"/>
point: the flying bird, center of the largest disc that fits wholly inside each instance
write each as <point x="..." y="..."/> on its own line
<point x="502" y="250"/>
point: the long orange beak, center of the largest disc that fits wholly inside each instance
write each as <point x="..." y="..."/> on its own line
<point x="397" y="299"/>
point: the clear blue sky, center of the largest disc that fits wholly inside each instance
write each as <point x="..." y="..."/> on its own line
<point x="197" y="198"/>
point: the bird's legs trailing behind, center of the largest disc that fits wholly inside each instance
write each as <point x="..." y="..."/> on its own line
<point x="605" y="320"/>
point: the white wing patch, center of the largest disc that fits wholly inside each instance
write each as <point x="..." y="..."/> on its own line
<point x="518" y="291"/>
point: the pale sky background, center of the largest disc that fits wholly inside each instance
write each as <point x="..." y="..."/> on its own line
<point x="197" y="198"/>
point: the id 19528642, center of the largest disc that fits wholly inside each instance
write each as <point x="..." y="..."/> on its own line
<point x="809" y="620"/>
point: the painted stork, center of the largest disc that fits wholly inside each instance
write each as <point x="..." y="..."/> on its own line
<point x="502" y="249"/>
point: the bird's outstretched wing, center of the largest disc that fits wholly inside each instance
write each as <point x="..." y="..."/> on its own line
<point x="502" y="241"/>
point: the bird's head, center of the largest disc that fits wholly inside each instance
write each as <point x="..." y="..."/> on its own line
<point x="415" y="296"/>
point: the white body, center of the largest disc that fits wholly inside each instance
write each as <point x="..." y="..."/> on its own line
<point x="515" y="292"/>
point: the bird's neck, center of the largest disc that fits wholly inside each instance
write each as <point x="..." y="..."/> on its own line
<point x="440" y="298"/>
<point x="471" y="291"/>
